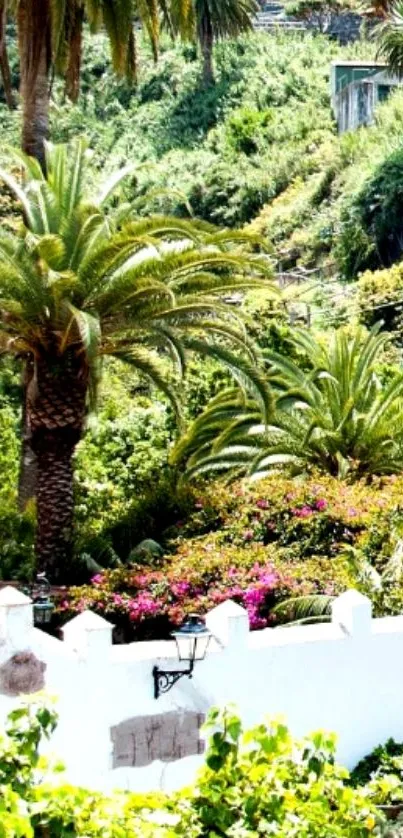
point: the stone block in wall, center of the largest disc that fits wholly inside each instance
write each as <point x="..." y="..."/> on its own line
<point x="167" y="737"/>
<point x="22" y="674"/>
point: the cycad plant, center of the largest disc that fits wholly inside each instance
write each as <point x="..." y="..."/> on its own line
<point x="333" y="414"/>
<point x="77" y="285"/>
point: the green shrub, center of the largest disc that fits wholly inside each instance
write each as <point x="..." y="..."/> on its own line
<point x="372" y="226"/>
<point x="252" y="783"/>
<point x="380" y="297"/>
<point x="264" y="782"/>
<point x="383" y="760"/>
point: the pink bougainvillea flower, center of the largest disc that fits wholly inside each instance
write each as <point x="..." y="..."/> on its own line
<point x="321" y="504"/>
<point x="303" y="512"/>
<point x="180" y="589"/>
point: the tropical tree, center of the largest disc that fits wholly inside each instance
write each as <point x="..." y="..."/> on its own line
<point x="4" y="62"/>
<point x="77" y="286"/>
<point x="211" y="21"/>
<point x="50" y="39"/>
<point x="389" y="36"/>
<point x="332" y="413"/>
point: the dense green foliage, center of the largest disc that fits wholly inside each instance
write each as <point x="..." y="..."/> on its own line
<point x="259" y="148"/>
<point x="384" y="759"/>
<point x="226" y="151"/>
<point x="252" y="782"/>
<point x="332" y="412"/>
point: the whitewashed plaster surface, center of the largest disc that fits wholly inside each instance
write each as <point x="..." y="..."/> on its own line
<point x="345" y="676"/>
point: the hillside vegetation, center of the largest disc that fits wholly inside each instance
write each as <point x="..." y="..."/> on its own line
<point x="259" y="148"/>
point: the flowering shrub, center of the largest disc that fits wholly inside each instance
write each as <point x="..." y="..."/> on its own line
<point x="257" y="545"/>
<point x="145" y="603"/>
<point x="318" y="516"/>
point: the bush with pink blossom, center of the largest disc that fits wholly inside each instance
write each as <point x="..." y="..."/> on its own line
<point x="258" y="545"/>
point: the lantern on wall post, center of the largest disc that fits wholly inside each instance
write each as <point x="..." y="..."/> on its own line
<point x="192" y="641"/>
<point x="43" y="606"/>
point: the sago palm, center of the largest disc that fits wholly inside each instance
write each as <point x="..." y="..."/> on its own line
<point x="76" y="287"/>
<point x="337" y="417"/>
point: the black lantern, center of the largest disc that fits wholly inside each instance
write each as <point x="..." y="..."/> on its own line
<point x="192" y="641"/>
<point x="42" y="602"/>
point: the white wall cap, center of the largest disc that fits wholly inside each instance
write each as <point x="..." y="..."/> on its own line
<point x="353" y="598"/>
<point x="353" y="611"/>
<point x="229" y="608"/>
<point x="10" y="597"/>
<point x="87" y="621"/>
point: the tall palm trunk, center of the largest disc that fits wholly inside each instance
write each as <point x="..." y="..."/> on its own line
<point x="54" y="502"/>
<point x="56" y="399"/>
<point x="34" y="38"/>
<point x="35" y="58"/>
<point x="27" y="474"/>
<point x="206" y="40"/>
<point x="4" y="64"/>
<point x="73" y="71"/>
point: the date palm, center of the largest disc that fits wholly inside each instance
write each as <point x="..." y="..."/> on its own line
<point x="389" y="36"/>
<point x="337" y="417"/>
<point x="5" y="72"/>
<point x="79" y="284"/>
<point x="210" y="21"/>
<point x="49" y="35"/>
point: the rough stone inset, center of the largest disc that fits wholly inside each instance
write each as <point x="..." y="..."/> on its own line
<point x="166" y="737"/>
<point x="22" y="673"/>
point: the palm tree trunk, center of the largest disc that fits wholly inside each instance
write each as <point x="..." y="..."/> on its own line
<point x="56" y="404"/>
<point x="73" y="71"/>
<point x="132" y="63"/>
<point x="35" y="54"/>
<point x="4" y="63"/>
<point x="35" y="57"/>
<point x="55" y="503"/>
<point x="27" y="475"/>
<point x="206" y="40"/>
<point x="167" y="19"/>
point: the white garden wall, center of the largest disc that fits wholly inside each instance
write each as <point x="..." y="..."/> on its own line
<point x="346" y="676"/>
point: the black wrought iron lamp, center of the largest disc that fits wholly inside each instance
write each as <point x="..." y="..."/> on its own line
<point x="42" y="601"/>
<point x="192" y="641"/>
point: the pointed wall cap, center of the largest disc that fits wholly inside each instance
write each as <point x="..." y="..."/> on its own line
<point x="87" y="621"/>
<point x="229" y="608"/>
<point x="10" y="597"/>
<point x="352" y="598"/>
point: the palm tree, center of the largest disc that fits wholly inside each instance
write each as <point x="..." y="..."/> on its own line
<point x="389" y="35"/>
<point x="50" y="35"/>
<point x="79" y="285"/>
<point x="211" y="21"/>
<point x="118" y="21"/>
<point x="4" y="62"/>
<point x="336" y="417"/>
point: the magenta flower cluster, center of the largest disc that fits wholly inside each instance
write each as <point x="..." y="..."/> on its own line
<point x="148" y="597"/>
<point x="305" y="511"/>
